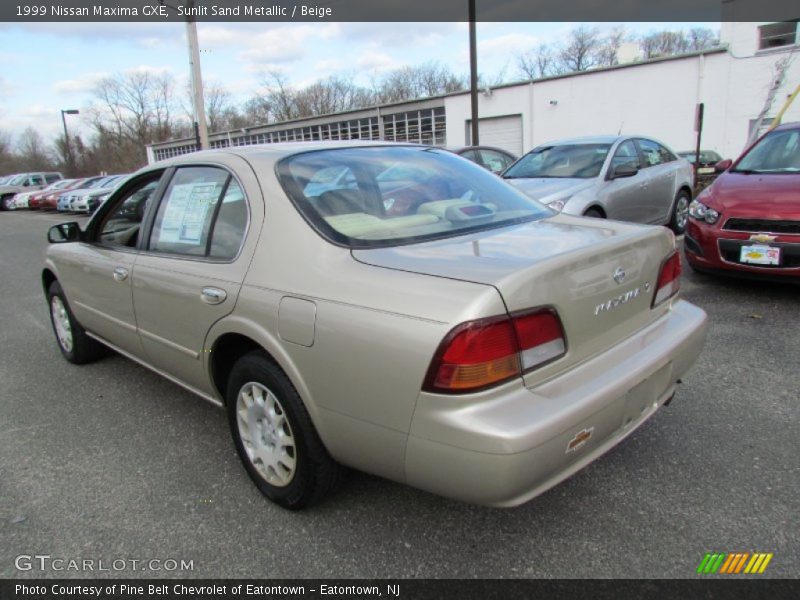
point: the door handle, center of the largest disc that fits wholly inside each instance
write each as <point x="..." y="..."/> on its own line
<point x="120" y="274"/>
<point x="212" y="295"/>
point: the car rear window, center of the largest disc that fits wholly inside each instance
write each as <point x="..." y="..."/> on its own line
<point x="392" y="195"/>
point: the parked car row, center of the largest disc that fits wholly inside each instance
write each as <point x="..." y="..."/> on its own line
<point x="24" y="182"/>
<point x="82" y="195"/>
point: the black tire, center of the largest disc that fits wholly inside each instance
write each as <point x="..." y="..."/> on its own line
<point x="81" y="349"/>
<point x="315" y="474"/>
<point x="3" y="200"/>
<point x="680" y="212"/>
<point x="594" y="213"/>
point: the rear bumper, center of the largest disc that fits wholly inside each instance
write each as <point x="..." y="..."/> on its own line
<point x="508" y="446"/>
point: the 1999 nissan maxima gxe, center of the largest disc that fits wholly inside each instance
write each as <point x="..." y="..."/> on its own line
<point x="475" y="344"/>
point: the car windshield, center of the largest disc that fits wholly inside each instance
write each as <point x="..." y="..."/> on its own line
<point x="777" y="152"/>
<point x="582" y="161"/>
<point x="18" y="180"/>
<point x="386" y="196"/>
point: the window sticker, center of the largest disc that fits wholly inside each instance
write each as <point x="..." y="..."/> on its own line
<point x="186" y="212"/>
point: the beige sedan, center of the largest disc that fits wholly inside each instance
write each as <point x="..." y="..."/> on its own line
<point x="392" y="308"/>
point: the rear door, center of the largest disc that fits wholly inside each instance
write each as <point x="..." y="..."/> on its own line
<point x="624" y="197"/>
<point x="658" y="167"/>
<point x="198" y="245"/>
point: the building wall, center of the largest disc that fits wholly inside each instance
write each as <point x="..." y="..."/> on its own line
<point x="657" y="99"/>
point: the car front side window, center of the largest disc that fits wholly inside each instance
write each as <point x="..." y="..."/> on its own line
<point x="626" y="155"/>
<point x="121" y="225"/>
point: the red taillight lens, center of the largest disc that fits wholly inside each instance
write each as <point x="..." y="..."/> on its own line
<point x="668" y="279"/>
<point x="479" y="354"/>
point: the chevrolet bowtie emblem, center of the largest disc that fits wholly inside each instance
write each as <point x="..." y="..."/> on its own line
<point x="763" y="238"/>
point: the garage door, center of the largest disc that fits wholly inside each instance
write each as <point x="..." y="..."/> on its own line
<point x="501" y="132"/>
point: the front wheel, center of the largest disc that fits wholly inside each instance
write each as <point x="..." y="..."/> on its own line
<point x="5" y="203"/>
<point x="274" y="435"/>
<point x="680" y="213"/>
<point x="77" y="347"/>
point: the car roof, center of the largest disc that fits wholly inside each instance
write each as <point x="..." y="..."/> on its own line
<point x="592" y="139"/>
<point x="266" y="155"/>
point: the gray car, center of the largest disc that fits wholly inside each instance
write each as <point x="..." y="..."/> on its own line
<point x="628" y="178"/>
<point x="436" y="326"/>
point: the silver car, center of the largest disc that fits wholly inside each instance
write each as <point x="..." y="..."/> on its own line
<point x="434" y="326"/>
<point x="628" y="178"/>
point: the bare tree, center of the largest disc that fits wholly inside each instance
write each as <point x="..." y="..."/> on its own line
<point x="32" y="152"/>
<point x="579" y="53"/>
<point x="701" y="38"/>
<point x="406" y="83"/>
<point x="537" y="63"/>
<point x="606" y="55"/>
<point x="131" y="110"/>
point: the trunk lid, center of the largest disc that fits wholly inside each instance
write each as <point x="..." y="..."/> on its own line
<point x="564" y="262"/>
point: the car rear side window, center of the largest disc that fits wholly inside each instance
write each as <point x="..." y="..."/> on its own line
<point x="231" y="223"/>
<point x="190" y="219"/>
<point x="654" y="153"/>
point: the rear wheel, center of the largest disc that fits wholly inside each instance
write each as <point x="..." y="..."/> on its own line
<point x="77" y="347"/>
<point x="680" y="213"/>
<point x="5" y="203"/>
<point x="274" y="435"/>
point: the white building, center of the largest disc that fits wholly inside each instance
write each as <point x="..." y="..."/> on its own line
<point x="657" y="98"/>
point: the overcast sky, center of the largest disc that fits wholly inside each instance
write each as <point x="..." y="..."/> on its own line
<point x="52" y="66"/>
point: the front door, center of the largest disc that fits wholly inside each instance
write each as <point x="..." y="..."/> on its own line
<point x="100" y="269"/>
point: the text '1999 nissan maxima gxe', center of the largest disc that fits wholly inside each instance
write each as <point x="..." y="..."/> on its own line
<point x="392" y="308"/>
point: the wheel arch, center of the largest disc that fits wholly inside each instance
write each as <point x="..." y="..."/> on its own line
<point x="48" y="277"/>
<point x="233" y="337"/>
<point x="596" y="207"/>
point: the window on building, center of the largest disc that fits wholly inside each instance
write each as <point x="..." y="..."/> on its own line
<point x="776" y="35"/>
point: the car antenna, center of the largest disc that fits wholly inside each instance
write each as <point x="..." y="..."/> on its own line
<point x="620" y="128"/>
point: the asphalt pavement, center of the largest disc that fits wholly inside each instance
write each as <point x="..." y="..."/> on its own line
<point x="109" y="462"/>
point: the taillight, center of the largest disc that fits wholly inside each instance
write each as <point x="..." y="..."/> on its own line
<point x="479" y="354"/>
<point x="668" y="279"/>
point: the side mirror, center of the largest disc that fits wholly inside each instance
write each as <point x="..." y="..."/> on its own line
<point x="624" y="170"/>
<point x="723" y="165"/>
<point x="64" y="232"/>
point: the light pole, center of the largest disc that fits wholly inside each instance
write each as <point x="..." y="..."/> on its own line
<point x="198" y="105"/>
<point x="473" y="74"/>
<point x="67" y="145"/>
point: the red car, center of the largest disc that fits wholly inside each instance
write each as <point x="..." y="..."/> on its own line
<point x="747" y="222"/>
<point x="48" y="201"/>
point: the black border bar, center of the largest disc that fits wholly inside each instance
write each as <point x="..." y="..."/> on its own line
<point x="41" y="11"/>
<point x="732" y="587"/>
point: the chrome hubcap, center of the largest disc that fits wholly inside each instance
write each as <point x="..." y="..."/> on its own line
<point x="61" y="323"/>
<point x="266" y="434"/>
<point x="682" y="212"/>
